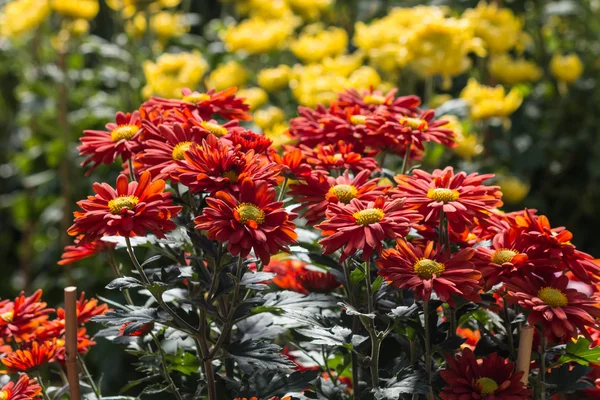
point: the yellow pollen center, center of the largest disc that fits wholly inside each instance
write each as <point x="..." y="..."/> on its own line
<point x="3" y="395"/>
<point x="250" y="212"/>
<point x="60" y="342"/>
<point x="358" y="119"/>
<point x="338" y="157"/>
<point x="368" y="216"/>
<point x="414" y="123"/>
<point x="443" y="195"/>
<point x="488" y="385"/>
<point x="231" y="175"/>
<point x="196" y="97"/>
<point x="374" y="99"/>
<point x="8" y="316"/>
<point x="124" y="132"/>
<point x="117" y="204"/>
<point x="426" y="268"/>
<point x="503" y="255"/>
<point x="180" y="149"/>
<point x="343" y="192"/>
<point x="215" y="129"/>
<point x="553" y="297"/>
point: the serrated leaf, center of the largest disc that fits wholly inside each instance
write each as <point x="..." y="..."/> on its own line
<point x="125" y="282"/>
<point x="281" y="384"/>
<point x="336" y="336"/>
<point x="293" y="301"/>
<point x="353" y="311"/>
<point x="404" y="312"/>
<point x="255" y="280"/>
<point x="408" y="381"/>
<point x="141" y="315"/>
<point x="151" y="259"/>
<point x="252" y="356"/>
<point x="580" y="352"/>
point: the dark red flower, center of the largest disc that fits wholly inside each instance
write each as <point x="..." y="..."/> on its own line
<point x="79" y="251"/>
<point x="308" y="129"/>
<point x="339" y="156"/>
<point x="488" y="378"/>
<point x="20" y="318"/>
<point x="363" y="226"/>
<point x="214" y="166"/>
<point x="563" y="312"/>
<point x="121" y="138"/>
<point x="132" y="209"/>
<point x="135" y="328"/>
<point x="317" y="191"/>
<point x="208" y="104"/>
<point x="429" y="269"/>
<point x="248" y="140"/>
<point x="461" y="197"/>
<point x="375" y="101"/>
<point x="25" y="388"/>
<point x="250" y="220"/>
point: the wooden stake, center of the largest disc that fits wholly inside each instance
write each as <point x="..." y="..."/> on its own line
<point x="71" y="326"/>
<point x="524" y="352"/>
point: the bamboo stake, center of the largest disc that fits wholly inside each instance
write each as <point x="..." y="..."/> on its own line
<point x="71" y="341"/>
<point x="524" y="352"/>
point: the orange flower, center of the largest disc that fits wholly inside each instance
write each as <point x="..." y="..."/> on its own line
<point x="132" y="209"/>
<point x="25" y="388"/>
<point x="31" y="355"/>
<point x="83" y="345"/>
<point x="472" y="337"/>
<point x="86" y="309"/>
<point x="248" y="140"/>
<point x="293" y="275"/>
<point x="20" y="318"/>
<point x="79" y="251"/>
<point x="293" y="161"/>
<point x="339" y="156"/>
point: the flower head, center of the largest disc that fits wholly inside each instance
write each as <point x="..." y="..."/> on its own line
<point x="121" y="138"/>
<point x="79" y="251"/>
<point x="428" y="269"/>
<point x="364" y="225"/>
<point x="21" y="317"/>
<point x="31" y="355"/>
<point x="250" y="220"/>
<point x="135" y="328"/>
<point x="488" y="102"/>
<point x="567" y="68"/>
<point x="294" y="275"/>
<point x="340" y="155"/>
<point x="172" y="72"/>
<point x="132" y="209"/>
<point x="248" y="140"/>
<point x="371" y="101"/>
<point x="25" y="388"/>
<point x="460" y="196"/>
<point x="489" y="378"/>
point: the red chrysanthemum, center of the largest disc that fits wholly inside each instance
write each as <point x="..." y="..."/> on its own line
<point x="252" y="220"/>
<point x="121" y="138"/>
<point x="339" y="156"/>
<point x="135" y="328"/>
<point x="308" y="129"/>
<point x="133" y="209"/>
<point x="363" y="226"/>
<point x="79" y="251"/>
<point x="20" y="318"/>
<point x="248" y="140"/>
<point x="208" y="104"/>
<point x="489" y="378"/>
<point x="428" y="269"/>
<point x="86" y="309"/>
<point x="563" y="312"/>
<point x="375" y="101"/>
<point x="25" y="388"/>
<point x="460" y="196"/>
<point x="31" y="355"/>
<point x="294" y="275"/>
<point x="317" y="191"/>
<point x="215" y="166"/>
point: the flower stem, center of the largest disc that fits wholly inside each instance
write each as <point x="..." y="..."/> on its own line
<point x="131" y="170"/>
<point x="116" y="270"/>
<point x="372" y="329"/>
<point x="406" y="158"/>
<point x="88" y="376"/>
<point x="443" y="232"/>
<point x="509" y="332"/>
<point x="39" y="379"/>
<point x="283" y="189"/>
<point x="428" y="354"/>
<point x="163" y="361"/>
<point x="542" y="375"/>
<point x="355" y="326"/>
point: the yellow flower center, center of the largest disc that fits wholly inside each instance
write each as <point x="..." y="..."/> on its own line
<point x="8" y="316"/>
<point x="250" y="212"/>
<point x="338" y="157"/>
<point x="503" y="255"/>
<point x="488" y="385"/>
<point x="426" y="268"/>
<point x="553" y="297"/>
<point x="358" y="119"/>
<point x="343" y="192"/>
<point x="374" y="99"/>
<point x="215" y="129"/>
<point x="128" y="202"/>
<point x="3" y="395"/>
<point x="368" y="216"/>
<point x="443" y="195"/>
<point x="414" y="123"/>
<point x="180" y="149"/>
<point x="60" y="342"/>
<point x="231" y="175"/>
<point x="124" y="132"/>
<point x="196" y="97"/>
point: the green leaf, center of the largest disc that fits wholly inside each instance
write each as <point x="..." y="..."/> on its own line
<point x="184" y="362"/>
<point x="376" y="285"/>
<point x="252" y="356"/>
<point x="126" y="282"/>
<point x="356" y="277"/>
<point x="336" y="336"/>
<point x="140" y="315"/>
<point x="580" y="352"/>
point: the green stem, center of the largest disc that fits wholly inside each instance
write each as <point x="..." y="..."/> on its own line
<point x="131" y="170"/>
<point x="372" y="329"/>
<point x="117" y="271"/>
<point x="203" y="352"/>
<point x="283" y="189"/>
<point x="39" y="379"/>
<point x="163" y="362"/>
<point x="428" y="354"/>
<point x="509" y="332"/>
<point x="405" y="161"/>
<point x="355" y="326"/>
<point x="88" y="376"/>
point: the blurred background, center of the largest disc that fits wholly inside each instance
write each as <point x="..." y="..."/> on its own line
<point x="518" y="81"/>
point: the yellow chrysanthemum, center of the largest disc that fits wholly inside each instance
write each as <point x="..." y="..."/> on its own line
<point x="487" y="102"/>
<point x="274" y="79"/>
<point x="129" y="8"/>
<point x="343" y="65"/>
<point x="20" y="16"/>
<point x="258" y="35"/>
<point x="227" y="75"/>
<point x="279" y="134"/>
<point x="316" y="43"/>
<point x="511" y="71"/>
<point x="567" y="68"/>
<point x="269" y="9"/>
<point x="468" y="144"/>
<point x="78" y="9"/>
<point x="173" y="72"/>
<point x="168" y="25"/>
<point x="314" y="84"/>
<point x="267" y="118"/>
<point x="364" y="78"/>
<point x="254" y="97"/>
<point x="136" y="26"/>
<point x="513" y="189"/>
<point x="310" y="10"/>
<point x="499" y="28"/>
